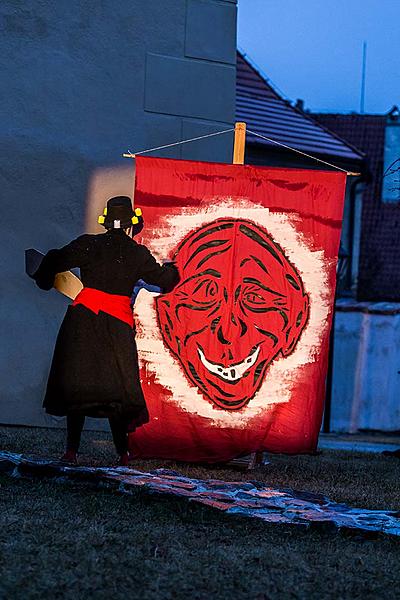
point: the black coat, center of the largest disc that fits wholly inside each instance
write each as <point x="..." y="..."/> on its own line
<point x="95" y="367"/>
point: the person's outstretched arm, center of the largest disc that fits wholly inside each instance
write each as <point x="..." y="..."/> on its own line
<point x="61" y="259"/>
<point x="165" y="276"/>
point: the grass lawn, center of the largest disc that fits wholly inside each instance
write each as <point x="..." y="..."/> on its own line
<point x="61" y="540"/>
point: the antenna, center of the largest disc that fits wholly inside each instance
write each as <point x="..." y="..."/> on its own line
<point x="363" y="72"/>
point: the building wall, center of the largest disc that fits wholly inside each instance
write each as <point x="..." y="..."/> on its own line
<point x="379" y="260"/>
<point x="379" y="270"/>
<point x="84" y="82"/>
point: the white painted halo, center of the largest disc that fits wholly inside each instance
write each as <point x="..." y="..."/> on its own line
<point x="282" y="374"/>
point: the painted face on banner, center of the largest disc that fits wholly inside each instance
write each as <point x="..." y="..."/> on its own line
<point x="239" y="306"/>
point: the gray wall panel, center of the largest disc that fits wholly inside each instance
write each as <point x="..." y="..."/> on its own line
<point x="189" y="88"/>
<point x="221" y="16"/>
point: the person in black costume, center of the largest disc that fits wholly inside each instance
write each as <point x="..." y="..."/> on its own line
<point x="95" y="369"/>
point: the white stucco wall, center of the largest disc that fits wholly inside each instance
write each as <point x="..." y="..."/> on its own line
<point x="83" y="82"/>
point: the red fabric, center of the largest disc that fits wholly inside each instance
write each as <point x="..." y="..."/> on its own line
<point x="112" y="304"/>
<point x="234" y="359"/>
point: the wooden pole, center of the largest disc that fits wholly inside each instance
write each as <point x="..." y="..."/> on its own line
<point x="239" y="147"/>
<point x="239" y="143"/>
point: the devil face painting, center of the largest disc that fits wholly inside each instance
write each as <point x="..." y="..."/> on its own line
<point x="240" y="305"/>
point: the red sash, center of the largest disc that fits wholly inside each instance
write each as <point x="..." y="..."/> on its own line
<point x="112" y="304"/>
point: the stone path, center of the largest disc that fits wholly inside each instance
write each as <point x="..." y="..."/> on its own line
<point x="248" y="499"/>
<point x="332" y="443"/>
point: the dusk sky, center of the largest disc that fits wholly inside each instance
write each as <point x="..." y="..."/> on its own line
<point x="312" y="49"/>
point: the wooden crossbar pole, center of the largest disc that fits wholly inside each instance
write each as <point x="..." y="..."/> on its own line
<point x="239" y="143"/>
<point x="239" y="147"/>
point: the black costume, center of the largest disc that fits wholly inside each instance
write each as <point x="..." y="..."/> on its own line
<point x="95" y="369"/>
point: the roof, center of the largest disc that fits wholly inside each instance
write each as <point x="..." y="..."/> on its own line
<point x="266" y="112"/>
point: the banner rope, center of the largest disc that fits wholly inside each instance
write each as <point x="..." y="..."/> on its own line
<point x="301" y="152"/>
<point x="131" y="154"/>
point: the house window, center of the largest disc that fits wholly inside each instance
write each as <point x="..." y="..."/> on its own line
<point x="349" y="251"/>
<point x="391" y="166"/>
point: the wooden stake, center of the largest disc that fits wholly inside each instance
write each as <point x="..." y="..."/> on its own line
<point x="68" y="284"/>
<point x="239" y="144"/>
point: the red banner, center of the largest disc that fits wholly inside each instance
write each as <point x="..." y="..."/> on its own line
<point x="234" y="360"/>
